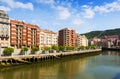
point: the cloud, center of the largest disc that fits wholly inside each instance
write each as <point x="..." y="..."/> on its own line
<point x="88" y="12"/>
<point x="63" y="13"/>
<point x="77" y="22"/>
<point x="109" y="7"/>
<point x="5" y="8"/>
<point x="13" y="4"/>
<point x="46" y="1"/>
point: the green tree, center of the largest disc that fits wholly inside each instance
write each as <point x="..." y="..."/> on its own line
<point x="70" y="47"/>
<point x="87" y="47"/>
<point x="93" y="47"/>
<point x="81" y="47"/>
<point x="54" y="47"/>
<point x="25" y="49"/>
<point x="8" y="51"/>
<point x="46" y="48"/>
<point x="35" y="49"/>
<point x="61" y="48"/>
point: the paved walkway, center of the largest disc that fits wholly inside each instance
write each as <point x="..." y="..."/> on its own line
<point x="47" y="55"/>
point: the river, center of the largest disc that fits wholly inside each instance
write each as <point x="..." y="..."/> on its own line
<point x="103" y="66"/>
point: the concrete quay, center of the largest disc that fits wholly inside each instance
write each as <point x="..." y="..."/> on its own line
<point x="27" y="59"/>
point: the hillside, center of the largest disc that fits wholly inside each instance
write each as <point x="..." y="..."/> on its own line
<point x="102" y="33"/>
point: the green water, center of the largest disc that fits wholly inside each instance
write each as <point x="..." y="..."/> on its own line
<point x="103" y="66"/>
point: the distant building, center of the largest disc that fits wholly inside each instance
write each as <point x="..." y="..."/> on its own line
<point x="111" y="41"/>
<point x="82" y="40"/>
<point x="4" y="29"/>
<point x="48" y="38"/>
<point x="67" y="37"/>
<point x="95" y="41"/>
<point x="23" y="34"/>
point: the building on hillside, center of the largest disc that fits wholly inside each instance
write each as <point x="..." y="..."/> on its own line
<point x="4" y="29"/>
<point x="111" y="41"/>
<point x="82" y="40"/>
<point x="23" y="34"/>
<point x="48" y="38"/>
<point x="67" y="37"/>
<point x="94" y="41"/>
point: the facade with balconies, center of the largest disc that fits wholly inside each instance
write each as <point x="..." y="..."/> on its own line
<point x="4" y="29"/>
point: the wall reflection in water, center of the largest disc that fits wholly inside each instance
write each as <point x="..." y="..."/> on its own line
<point x="63" y="69"/>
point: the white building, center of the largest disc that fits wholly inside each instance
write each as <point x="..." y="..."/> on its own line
<point x="48" y="38"/>
<point x="82" y="40"/>
<point x="4" y="29"/>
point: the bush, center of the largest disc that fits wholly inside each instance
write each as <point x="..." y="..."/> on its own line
<point x="8" y="51"/>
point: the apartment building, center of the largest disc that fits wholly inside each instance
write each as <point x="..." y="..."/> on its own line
<point x="33" y="33"/>
<point x="48" y="38"/>
<point x="82" y="40"/>
<point x="4" y="29"/>
<point x="23" y="34"/>
<point x="67" y="37"/>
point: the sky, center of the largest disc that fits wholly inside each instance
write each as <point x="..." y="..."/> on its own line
<point x="81" y="15"/>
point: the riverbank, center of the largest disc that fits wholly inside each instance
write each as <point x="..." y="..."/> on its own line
<point x="111" y="49"/>
<point x="28" y="59"/>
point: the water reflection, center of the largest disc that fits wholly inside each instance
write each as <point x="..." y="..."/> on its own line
<point x="62" y="69"/>
<point x="103" y="66"/>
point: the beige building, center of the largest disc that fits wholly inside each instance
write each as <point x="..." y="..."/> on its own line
<point x="82" y="40"/>
<point x="48" y="38"/>
<point x="4" y="29"/>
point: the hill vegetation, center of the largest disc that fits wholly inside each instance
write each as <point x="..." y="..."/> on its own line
<point x="102" y="33"/>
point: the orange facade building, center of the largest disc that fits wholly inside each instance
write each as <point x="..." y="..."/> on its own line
<point x="67" y="37"/>
<point x="23" y="34"/>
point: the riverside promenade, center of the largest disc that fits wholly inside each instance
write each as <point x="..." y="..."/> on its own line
<point x="21" y="59"/>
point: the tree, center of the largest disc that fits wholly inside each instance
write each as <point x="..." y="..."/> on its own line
<point x="46" y="48"/>
<point x="87" y="47"/>
<point x="61" y="48"/>
<point x="35" y="49"/>
<point x="25" y="49"/>
<point x="93" y="47"/>
<point x="54" y="47"/>
<point x="81" y="48"/>
<point x="70" y="47"/>
<point x="8" y="51"/>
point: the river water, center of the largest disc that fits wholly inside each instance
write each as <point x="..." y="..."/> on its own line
<point x="103" y="66"/>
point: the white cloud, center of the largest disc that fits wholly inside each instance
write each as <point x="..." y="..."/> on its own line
<point x="5" y="8"/>
<point x="14" y="4"/>
<point x="46" y="1"/>
<point x="109" y="7"/>
<point x="63" y="12"/>
<point x="88" y="12"/>
<point x="61" y="7"/>
<point x="77" y="22"/>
